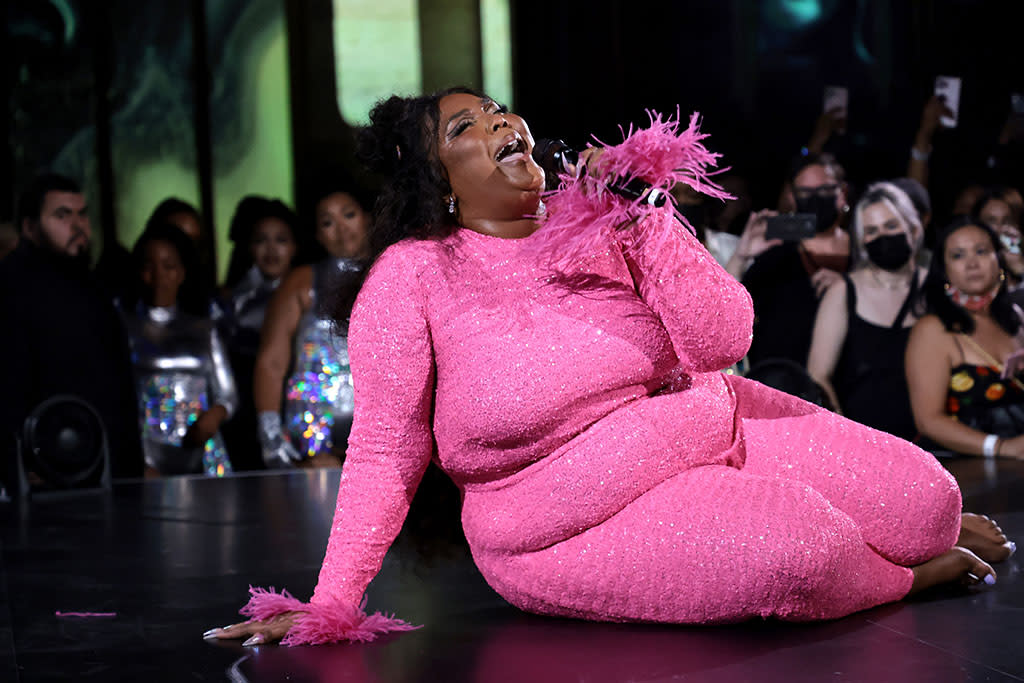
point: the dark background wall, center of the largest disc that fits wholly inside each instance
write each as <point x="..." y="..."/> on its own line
<point x="100" y="82"/>
<point x="757" y="74"/>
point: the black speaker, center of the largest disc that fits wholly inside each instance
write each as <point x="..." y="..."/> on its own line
<point x="63" y="447"/>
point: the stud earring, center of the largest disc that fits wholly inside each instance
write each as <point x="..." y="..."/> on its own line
<point x="451" y="204"/>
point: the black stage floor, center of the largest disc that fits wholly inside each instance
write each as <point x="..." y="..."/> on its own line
<point x="173" y="558"/>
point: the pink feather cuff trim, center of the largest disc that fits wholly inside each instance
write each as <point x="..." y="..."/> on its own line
<point x="581" y="214"/>
<point x="321" y="623"/>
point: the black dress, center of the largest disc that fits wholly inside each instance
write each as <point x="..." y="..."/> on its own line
<point x="869" y="378"/>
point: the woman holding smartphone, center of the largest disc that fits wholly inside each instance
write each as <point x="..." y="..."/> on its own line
<point x="964" y="353"/>
<point x="787" y="278"/>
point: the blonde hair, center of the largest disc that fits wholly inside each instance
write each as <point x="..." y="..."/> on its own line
<point x="899" y="203"/>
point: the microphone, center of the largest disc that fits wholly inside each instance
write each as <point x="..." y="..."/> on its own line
<point x="556" y="157"/>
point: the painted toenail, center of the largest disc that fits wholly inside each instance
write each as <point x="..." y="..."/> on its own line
<point x="990" y="579"/>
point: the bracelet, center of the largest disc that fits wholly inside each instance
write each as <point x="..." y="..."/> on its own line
<point x="918" y="155"/>
<point x="989" y="446"/>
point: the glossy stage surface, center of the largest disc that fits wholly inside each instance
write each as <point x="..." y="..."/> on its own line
<point x="173" y="558"/>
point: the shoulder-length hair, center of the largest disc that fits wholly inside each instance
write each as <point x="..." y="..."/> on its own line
<point x="936" y="301"/>
<point x="899" y="203"/>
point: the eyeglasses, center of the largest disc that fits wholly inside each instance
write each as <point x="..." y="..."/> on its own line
<point x="820" y="191"/>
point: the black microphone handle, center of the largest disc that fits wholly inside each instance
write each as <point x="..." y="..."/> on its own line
<point x="556" y="157"/>
<point x="638" y="189"/>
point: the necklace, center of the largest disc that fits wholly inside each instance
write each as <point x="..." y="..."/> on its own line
<point x="891" y="286"/>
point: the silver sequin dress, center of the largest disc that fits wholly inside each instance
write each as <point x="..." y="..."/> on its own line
<point x="181" y="370"/>
<point x="318" y="394"/>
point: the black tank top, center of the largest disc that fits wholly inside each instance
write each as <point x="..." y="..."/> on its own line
<point x="869" y="377"/>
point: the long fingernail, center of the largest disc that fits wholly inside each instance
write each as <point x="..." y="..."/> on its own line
<point x="1013" y="547"/>
<point x="990" y="579"/>
<point x="212" y="632"/>
<point x="258" y="638"/>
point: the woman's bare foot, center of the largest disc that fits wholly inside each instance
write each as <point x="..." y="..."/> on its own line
<point x="956" y="564"/>
<point x="982" y="536"/>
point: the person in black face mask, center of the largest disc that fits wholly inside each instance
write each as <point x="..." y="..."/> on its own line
<point x="786" y="279"/>
<point x="821" y="201"/>
<point x="864" y="319"/>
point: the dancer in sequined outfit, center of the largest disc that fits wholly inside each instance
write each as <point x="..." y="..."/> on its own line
<point x="567" y="379"/>
<point x="265" y="234"/>
<point x="183" y="378"/>
<point x="317" y="406"/>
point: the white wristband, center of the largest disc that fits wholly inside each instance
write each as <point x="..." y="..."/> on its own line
<point x="988" y="447"/>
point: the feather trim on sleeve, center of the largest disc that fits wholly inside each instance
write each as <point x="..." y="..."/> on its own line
<point x="582" y="213"/>
<point x="321" y="623"/>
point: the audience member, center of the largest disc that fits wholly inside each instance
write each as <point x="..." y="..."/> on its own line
<point x="1006" y="162"/>
<point x="864" y="319"/>
<point x="265" y="233"/>
<point x="187" y="218"/>
<point x="921" y="150"/>
<point x="298" y="332"/>
<point x="1000" y="208"/>
<point x="717" y="223"/>
<point x="730" y="216"/>
<point x="185" y="385"/>
<point x="786" y="279"/>
<point x="963" y="355"/>
<point x="966" y="198"/>
<point x="61" y="333"/>
<point x="829" y="124"/>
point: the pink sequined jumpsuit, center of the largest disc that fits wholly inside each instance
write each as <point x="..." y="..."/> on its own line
<point x="610" y="470"/>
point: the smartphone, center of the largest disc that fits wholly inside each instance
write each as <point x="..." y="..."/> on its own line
<point x="836" y="97"/>
<point x="791" y="227"/>
<point x="948" y="88"/>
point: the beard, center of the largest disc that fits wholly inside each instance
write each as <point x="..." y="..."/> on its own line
<point x="79" y="260"/>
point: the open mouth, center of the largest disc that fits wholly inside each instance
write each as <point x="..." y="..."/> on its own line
<point x="514" y="148"/>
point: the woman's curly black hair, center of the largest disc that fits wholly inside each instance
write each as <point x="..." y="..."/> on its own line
<point x="401" y="144"/>
<point x="934" y="299"/>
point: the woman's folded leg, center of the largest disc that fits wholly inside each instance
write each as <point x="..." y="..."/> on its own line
<point x="905" y="503"/>
<point x="712" y="544"/>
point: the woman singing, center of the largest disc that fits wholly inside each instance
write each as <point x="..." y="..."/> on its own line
<point x="608" y="470"/>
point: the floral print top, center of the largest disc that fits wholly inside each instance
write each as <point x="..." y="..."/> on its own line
<point x="978" y="391"/>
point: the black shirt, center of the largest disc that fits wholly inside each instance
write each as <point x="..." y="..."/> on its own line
<point x="61" y="335"/>
<point x="785" y="305"/>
